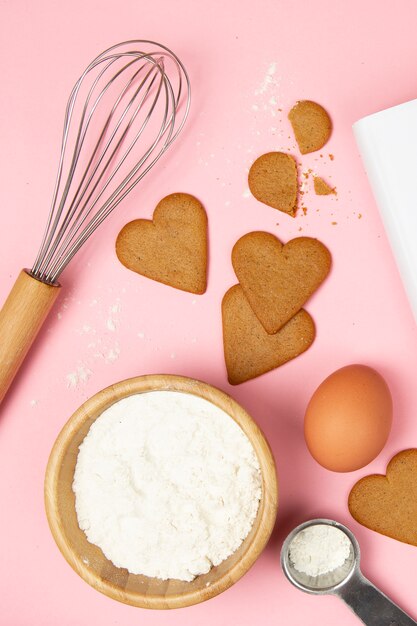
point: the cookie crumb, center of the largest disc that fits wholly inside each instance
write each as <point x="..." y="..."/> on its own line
<point x="321" y="188"/>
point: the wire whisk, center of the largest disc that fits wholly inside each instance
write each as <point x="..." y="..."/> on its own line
<point x="124" y="112"/>
<point x="136" y="95"/>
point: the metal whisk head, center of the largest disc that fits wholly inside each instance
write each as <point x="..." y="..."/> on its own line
<point x="124" y="112"/>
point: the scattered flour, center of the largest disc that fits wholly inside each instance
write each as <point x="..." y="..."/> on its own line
<point x="72" y="380"/>
<point x="166" y="484"/>
<point x="80" y="375"/>
<point x="113" y="320"/>
<point x="319" y="549"/>
<point x="111" y="325"/>
<point x="103" y="349"/>
<point x="112" y="354"/>
<point x="268" y="80"/>
<point x="265" y="100"/>
<point x="109" y="352"/>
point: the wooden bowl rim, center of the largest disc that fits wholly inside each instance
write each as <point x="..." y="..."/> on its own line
<point x="96" y="404"/>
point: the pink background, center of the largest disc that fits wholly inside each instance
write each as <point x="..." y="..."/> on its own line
<point x="354" y="57"/>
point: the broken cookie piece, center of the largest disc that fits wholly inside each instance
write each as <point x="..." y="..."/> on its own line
<point x="322" y="188"/>
<point x="273" y="181"/>
<point x="311" y="124"/>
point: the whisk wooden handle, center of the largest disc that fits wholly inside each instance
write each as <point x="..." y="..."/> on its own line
<point x="21" y="318"/>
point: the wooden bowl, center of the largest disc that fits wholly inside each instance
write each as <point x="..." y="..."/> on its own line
<point x="89" y="561"/>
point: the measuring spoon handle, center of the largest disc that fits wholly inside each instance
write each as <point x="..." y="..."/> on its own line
<point x="371" y="605"/>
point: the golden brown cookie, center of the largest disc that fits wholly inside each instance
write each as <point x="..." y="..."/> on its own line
<point x="388" y="504"/>
<point x="278" y="279"/>
<point x="322" y="188"/>
<point x="273" y="181"/>
<point x="248" y="350"/>
<point x="172" y="247"/>
<point x="311" y="124"/>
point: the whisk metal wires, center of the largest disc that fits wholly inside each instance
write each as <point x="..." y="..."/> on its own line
<point x="123" y="113"/>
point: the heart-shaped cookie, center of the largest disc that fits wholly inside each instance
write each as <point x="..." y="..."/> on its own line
<point x="249" y="351"/>
<point x="278" y="279"/>
<point x="172" y="247"/>
<point x="273" y="180"/>
<point x="388" y="504"/>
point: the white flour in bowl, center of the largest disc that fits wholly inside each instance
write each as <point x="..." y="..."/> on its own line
<point x="166" y="484"/>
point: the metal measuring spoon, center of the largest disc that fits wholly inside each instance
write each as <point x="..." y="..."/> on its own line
<point x="347" y="581"/>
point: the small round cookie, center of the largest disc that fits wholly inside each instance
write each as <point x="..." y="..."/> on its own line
<point x="311" y="124"/>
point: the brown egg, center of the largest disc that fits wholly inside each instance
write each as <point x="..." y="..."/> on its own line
<point x="348" y="419"/>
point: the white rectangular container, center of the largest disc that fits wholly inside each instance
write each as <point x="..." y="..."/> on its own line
<point x="388" y="145"/>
